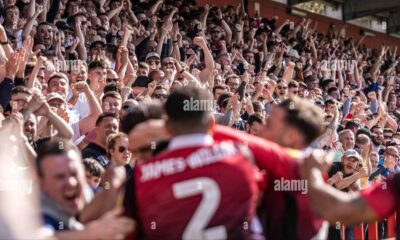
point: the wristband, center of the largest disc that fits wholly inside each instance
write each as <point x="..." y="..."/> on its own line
<point x="183" y="70"/>
<point x="4" y="43"/>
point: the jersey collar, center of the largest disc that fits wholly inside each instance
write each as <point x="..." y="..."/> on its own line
<point x="190" y="140"/>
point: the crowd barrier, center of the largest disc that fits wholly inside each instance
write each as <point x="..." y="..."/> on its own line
<point x="359" y="232"/>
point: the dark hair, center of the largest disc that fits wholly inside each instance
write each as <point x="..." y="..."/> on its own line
<point x="304" y="116"/>
<point x="255" y="118"/>
<point x="351" y="125"/>
<point x="53" y="148"/>
<point x="331" y="89"/>
<point x="20" y="89"/>
<point x="93" y="167"/>
<point x="111" y="94"/>
<point x="325" y="83"/>
<point x="293" y="84"/>
<point x="219" y="86"/>
<point x="189" y="110"/>
<point x="96" y="64"/>
<point x="141" y="113"/>
<point x="105" y="115"/>
<point x="112" y="87"/>
<point x="221" y="99"/>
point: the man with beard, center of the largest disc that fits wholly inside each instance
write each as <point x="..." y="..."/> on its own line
<point x="377" y="138"/>
<point x="372" y="204"/>
<point x="40" y="107"/>
<point x="294" y="123"/>
<point x="344" y="176"/>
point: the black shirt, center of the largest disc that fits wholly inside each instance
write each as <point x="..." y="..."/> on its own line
<point x="96" y="152"/>
<point x="336" y="167"/>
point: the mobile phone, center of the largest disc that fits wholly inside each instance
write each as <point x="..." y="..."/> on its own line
<point x="241" y="90"/>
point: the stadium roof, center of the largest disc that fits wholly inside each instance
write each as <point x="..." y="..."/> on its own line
<point x="352" y="9"/>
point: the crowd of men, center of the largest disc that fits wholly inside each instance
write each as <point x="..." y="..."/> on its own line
<point x="168" y="120"/>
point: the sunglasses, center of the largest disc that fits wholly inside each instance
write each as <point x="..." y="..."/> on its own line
<point x="167" y="63"/>
<point x="108" y="80"/>
<point x="98" y="48"/>
<point x="156" y="95"/>
<point x="389" y="154"/>
<point x="122" y="149"/>
<point x="156" y="62"/>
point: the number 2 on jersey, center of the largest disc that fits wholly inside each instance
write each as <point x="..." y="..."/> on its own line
<point x="205" y="211"/>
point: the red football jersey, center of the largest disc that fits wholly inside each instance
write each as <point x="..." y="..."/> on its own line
<point x="384" y="199"/>
<point x="198" y="192"/>
<point x="284" y="214"/>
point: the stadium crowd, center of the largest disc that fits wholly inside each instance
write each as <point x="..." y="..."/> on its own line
<point x="168" y="120"/>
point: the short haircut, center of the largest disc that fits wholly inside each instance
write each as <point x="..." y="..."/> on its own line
<point x="96" y="64"/>
<point x="304" y="116"/>
<point x="93" y="167"/>
<point x="221" y="99"/>
<point x="113" y="87"/>
<point x="375" y="127"/>
<point x="303" y="85"/>
<point x="332" y="89"/>
<point x="111" y="94"/>
<point x="144" y="65"/>
<point x="293" y="84"/>
<point x="219" y="86"/>
<point x="141" y="113"/>
<point x="255" y="118"/>
<point x="53" y="148"/>
<point x="183" y="115"/>
<point x="20" y="89"/>
<point x="362" y="139"/>
<point x="257" y="106"/>
<point x="105" y="115"/>
<point x="351" y="125"/>
<point x="58" y="75"/>
<point x="341" y="133"/>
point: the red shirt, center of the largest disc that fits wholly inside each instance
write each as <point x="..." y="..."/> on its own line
<point x="284" y="214"/>
<point x="384" y="198"/>
<point x="194" y="192"/>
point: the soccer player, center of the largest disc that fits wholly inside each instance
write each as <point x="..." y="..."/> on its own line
<point x="197" y="188"/>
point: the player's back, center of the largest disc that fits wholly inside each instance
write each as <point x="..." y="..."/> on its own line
<point x="197" y="192"/>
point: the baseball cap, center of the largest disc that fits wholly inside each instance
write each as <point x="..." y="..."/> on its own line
<point x="152" y="54"/>
<point x="97" y="42"/>
<point x="352" y="153"/>
<point x="54" y="95"/>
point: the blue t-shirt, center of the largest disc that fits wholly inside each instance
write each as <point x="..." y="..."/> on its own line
<point x="386" y="172"/>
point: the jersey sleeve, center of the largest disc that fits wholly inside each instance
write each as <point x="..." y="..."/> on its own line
<point x="381" y="198"/>
<point x="277" y="161"/>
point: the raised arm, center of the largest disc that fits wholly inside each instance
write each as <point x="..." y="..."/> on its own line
<point x="82" y="52"/>
<point x="209" y="60"/>
<point x="225" y="26"/>
<point x="28" y="26"/>
<point x="88" y="123"/>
